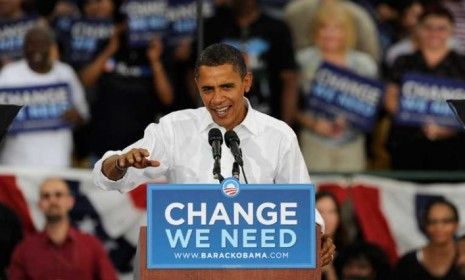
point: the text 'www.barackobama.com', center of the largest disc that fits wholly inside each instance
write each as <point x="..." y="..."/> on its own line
<point x="235" y="255"/>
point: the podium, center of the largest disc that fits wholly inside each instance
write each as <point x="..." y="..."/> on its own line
<point x="223" y="274"/>
<point x="230" y="231"/>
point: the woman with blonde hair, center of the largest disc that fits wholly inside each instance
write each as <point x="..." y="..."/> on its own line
<point x="331" y="144"/>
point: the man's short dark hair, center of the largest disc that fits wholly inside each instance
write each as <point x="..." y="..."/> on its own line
<point x="221" y="54"/>
<point x="436" y="10"/>
<point x="41" y="31"/>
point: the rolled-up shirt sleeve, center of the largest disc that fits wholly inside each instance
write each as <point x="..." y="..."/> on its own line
<point x="156" y="141"/>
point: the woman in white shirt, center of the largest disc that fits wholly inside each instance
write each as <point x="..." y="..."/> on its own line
<point x="331" y="145"/>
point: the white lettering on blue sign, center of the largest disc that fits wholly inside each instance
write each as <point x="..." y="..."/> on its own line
<point x="234" y="238"/>
<point x="264" y="214"/>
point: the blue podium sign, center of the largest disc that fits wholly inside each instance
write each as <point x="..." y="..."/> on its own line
<point x="231" y="226"/>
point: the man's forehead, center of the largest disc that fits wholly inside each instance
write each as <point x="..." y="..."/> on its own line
<point x="53" y="184"/>
<point x="223" y="69"/>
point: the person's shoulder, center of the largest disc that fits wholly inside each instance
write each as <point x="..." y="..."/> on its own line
<point x="455" y="56"/>
<point x="408" y="257"/>
<point x="30" y="240"/>
<point x="192" y="116"/>
<point x="14" y="67"/>
<point x="62" y="67"/>
<point x="364" y="63"/>
<point x="362" y="56"/>
<point x="86" y="238"/>
<point x="308" y="54"/>
<point x="272" y="125"/>
<point x="184" y="114"/>
<point x="407" y="59"/>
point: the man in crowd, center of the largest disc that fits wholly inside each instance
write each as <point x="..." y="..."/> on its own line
<point x="14" y="23"/>
<point x="48" y="144"/>
<point x="60" y="251"/>
<point x="178" y="146"/>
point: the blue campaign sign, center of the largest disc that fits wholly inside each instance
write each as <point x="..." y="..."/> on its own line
<point x="86" y="37"/>
<point x="12" y="36"/>
<point x="423" y="100"/>
<point x="43" y="106"/>
<point x="231" y="226"/>
<point x="339" y="92"/>
<point x="182" y="16"/>
<point x="146" y="19"/>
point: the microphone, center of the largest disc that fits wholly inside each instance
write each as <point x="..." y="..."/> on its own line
<point x="215" y="139"/>
<point x="232" y="142"/>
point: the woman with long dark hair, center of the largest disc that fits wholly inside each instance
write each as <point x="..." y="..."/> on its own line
<point x="435" y="260"/>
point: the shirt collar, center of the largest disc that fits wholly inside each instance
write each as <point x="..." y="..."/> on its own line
<point x="71" y="236"/>
<point x="249" y="121"/>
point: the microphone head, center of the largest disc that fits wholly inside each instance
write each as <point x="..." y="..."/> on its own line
<point x="214" y="134"/>
<point x="231" y="136"/>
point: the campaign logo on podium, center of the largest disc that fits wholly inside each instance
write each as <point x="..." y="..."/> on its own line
<point x="231" y="225"/>
<point x="230" y="187"/>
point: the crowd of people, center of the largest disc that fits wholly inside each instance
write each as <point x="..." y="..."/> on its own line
<point x="123" y="73"/>
<point x="103" y="70"/>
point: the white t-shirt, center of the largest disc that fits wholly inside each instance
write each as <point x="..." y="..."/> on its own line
<point x="50" y="148"/>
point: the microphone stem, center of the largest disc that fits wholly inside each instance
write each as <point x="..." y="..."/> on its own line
<point x="235" y="170"/>
<point x="243" y="174"/>
<point x="217" y="170"/>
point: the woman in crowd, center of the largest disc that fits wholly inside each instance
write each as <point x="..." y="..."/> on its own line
<point x="329" y="209"/>
<point x="431" y="146"/>
<point x="330" y="144"/>
<point x="435" y="260"/>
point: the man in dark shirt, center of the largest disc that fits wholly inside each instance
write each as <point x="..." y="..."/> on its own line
<point x="267" y="45"/>
<point x="431" y="147"/>
<point x="132" y="90"/>
<point x="60" y="251"/>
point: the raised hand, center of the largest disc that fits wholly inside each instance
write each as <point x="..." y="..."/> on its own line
<point x="137" y="158"/>
<point x="115" y="167"/>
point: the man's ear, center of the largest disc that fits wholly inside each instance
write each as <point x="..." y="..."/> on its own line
<point x="71" y="202"/>
<point x="248" y="79"/>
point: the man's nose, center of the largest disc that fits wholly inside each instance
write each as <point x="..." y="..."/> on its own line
<point x="218" y="97"/>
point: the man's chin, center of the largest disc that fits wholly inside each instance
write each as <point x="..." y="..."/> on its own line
<point x="220" y="121"/>
<point x="54" y="218"/>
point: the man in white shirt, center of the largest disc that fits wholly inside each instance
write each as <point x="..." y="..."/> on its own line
<point x="44" y="146"/>
<point x="178" y="146"/>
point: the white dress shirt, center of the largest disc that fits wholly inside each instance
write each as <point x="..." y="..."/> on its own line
<point x="179" y="141"/>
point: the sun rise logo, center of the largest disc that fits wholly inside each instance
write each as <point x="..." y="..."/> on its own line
<point x="230" y="187"/>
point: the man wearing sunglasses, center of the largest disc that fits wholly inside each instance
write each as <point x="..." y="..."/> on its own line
<point x="60" y="251"/>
